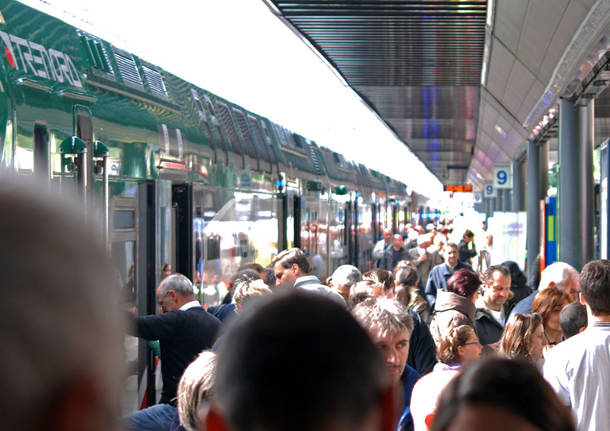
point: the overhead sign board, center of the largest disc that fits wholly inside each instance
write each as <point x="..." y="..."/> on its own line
<point x="489" y="191"/>
<point x="458" y="188"/>
<point x="502" y="176"/>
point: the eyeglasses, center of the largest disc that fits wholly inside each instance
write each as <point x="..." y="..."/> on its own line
<point x="472" y="343"/>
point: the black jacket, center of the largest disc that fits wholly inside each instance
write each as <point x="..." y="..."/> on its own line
<point x="182" y="336"/>
<point x="422" y="350"/>
<point x="488" y="329"/>
<point x="464" y="253"/>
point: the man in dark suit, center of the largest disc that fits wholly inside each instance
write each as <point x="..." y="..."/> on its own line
<point x="183" y="329"/>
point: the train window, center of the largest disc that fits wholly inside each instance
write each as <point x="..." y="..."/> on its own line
<point x="124" y="219"/>
<point x="245" y="133"/>
<point x="260" y="142"/>
<point x="213" y="247"/>
<point x="215" y="126"/>
<point x="84" y="128"/>
<point x="41" y="151"/>
<point x="204" y="122"/>
<point x="290" y="138"/>
<point x="299" y="141"/>
<point x="227" y="122"/>
<point x="127" y="67"/>
<point x="154" y="80"/>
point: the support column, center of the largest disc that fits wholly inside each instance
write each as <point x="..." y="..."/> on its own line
<point x="533" y="199"/>
<point x="587" y="135"/>
<point x="517" y="187"/>
<point x="570" y="221"/>
<point x="507" y="205"/>
<point x="499" y="199"/>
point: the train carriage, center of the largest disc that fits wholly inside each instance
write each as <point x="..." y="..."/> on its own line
<point x="180" y="179"/>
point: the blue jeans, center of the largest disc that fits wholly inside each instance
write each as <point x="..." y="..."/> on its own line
<point x="155" y="418"/>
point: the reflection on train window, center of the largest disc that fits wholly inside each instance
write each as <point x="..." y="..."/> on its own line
<point x="124" y="219"/>
<point x="213" y="247"/>
<point x="124" y="256"/>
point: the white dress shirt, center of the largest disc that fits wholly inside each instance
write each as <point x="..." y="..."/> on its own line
<point x="579" y="371"/>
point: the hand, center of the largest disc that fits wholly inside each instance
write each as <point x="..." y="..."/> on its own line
<point x="423" y="257"/>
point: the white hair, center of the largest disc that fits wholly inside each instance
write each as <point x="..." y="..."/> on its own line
<point x="246" y="290"/>
<point x="559" y="273"/>
<point x="346" y="275"/>
<point x="60" y="318"/>
<point x="195" y="387"/>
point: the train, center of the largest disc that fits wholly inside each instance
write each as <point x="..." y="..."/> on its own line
<point x="179" y="179"/>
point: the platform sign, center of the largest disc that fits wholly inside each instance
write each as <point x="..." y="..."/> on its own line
<point x="503" y="176"/>
<point x="477" y="197"/>
<point x="489" y="191"/>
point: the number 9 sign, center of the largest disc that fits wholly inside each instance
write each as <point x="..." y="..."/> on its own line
<point x="489" y="191"/>
<point x="502" y="176"/>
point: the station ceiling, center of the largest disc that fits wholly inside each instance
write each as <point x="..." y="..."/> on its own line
<point x="463" y="84"/>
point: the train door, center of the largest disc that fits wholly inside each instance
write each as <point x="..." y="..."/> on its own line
<point x="124" y="246"/>
<point x="142" y="243"/>
<point x="182" y="204"/>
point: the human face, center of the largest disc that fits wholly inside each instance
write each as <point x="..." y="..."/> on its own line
<point x="166" y="302"/>
<point x="395" y="351"/>
<point x="285" y="277"/>
<point x="471" y="350"/>
<point x="552" y="318"/>
<point x="398" y="243"/>
<point x="451" y="256"/>
<point x="387" y="236"/>
<point x="572" y="288"/>
<point x="538" y="342"/>
<point x="496" y="293"/>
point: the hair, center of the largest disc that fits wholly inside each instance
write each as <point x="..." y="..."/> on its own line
<point x="381" y="277"/>
<point x="195" y="387"/>
<point x="253" y="266"/>
<point x="336" y="372"/>
<point x="270" y="275"/>
<point x="487" y="276"/>
<point x="346" y="275"/>
<point x="572" y="318"/>
<point x="516" y="342"/>
<point x="451" y="244"/>
<point x="243" y="275"/>
<point x="246" y="290"/>
<point x="511" y="385"/>
<point x="360" y="292"/>
<point x="551" y="299"/>
<point x="468" y="233"/>
<point x="383" y="315"/>
<point x="60" y="304"/>
<point x="406" y="275"/>
<point x="448" y="343"/>
<point x="292" y="256"/>
<point x="178" y="283"/>
<point x="595" y="286"/>
<point x="464" y="283"/>
<point x="517" y="278"/>
<point x="559" y="273"/>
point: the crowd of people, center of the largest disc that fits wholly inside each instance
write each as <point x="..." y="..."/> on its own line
<point x="421" y="342"/>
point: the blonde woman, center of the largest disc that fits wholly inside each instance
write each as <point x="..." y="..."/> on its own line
<point x="524" y="338"/>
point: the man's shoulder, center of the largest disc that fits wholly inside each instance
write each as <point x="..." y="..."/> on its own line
<point x="198" y="314"/>
<point x="439" y="269"/>
<point x="525" y="305"/>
